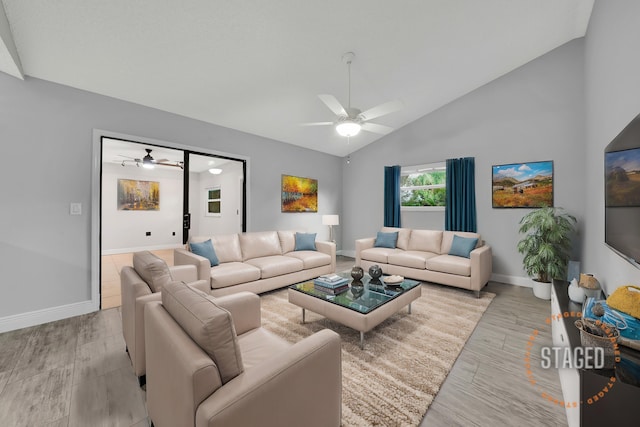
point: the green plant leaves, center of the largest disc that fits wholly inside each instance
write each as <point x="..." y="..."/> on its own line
<point x="547" y="243"/>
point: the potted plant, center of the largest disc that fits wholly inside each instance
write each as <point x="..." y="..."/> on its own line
<point x="546" y="246"/>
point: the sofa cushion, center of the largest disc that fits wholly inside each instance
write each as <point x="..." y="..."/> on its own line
<point x="305" y="242"/>
<point x="276" y="265"/>
<point x="287" y="240"/>
<point x="206" y="250"/>
<point x="208" y="324"/>
<point x="403" y="236"/>
<point x="233" y="273"/>
<point x="425" y="240"/>
<point x="447" y="239"/>
<point x="260" y="244"/>
<point x="311" y="259"/>
<point x="227" y="246"/>
<point x="378" y="254"/>
<point x="450" y="264"/>
<point x="462" y="246"/>
<point x="152" y="269"/>
<point x="259" y="345"/>
<point x="386" y="240"/>
<point x="411" y="259"/>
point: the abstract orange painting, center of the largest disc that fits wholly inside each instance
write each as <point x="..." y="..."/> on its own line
<point x="299" y="194"/>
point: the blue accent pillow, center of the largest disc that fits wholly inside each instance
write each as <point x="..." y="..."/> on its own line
<point x="386" y="240"/>
<point x="462" y="246"/>
<point x="305" y="242"/>
<point x="206" y="250"/>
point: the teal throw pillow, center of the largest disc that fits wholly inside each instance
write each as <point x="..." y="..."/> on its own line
<point x="206" y="250"/>
<point x="462" y="246"/>
<point x="305" y="242"/>
<point x="386" y="240"/>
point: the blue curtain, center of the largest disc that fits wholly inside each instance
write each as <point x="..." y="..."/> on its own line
<point x="460" y="210"/>
<point x="392" y="196"/>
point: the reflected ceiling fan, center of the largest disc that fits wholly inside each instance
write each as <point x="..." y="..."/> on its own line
<point x="349" y="121"/>
<point x="149" y="162"/>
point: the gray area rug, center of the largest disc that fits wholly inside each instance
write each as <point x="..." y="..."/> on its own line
<point x="405" y="359"/>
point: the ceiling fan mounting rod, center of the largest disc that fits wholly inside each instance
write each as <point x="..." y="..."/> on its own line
<point x="348" y="58"/>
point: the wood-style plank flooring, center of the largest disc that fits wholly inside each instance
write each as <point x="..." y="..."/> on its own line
<point x="488" y="384"/>
<point x="75" y="372"/>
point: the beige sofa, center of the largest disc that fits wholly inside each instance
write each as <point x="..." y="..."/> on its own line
<point x="424" y="255"/>
<point x="140" y="284"/>
<point x="210" y="363"/>
<point x="258" y="261"/>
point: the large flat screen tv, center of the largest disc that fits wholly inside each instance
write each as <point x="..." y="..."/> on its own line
<point x="622" y="193"/>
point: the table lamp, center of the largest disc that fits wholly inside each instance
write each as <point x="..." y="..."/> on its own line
<point x="330" y="220"/>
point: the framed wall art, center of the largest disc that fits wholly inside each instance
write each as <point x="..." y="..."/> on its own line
<point x="134" y="195"/>
<point x="299" y="194"/>
<point x="522" y="185"/>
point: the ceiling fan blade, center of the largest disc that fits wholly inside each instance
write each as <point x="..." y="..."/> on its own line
<point x="333" y="104"/>
<point x="317" y="124"/>
<point x="376" y="128"/>
<point x="161" y="161"/>
<point x="381" y="110"/>
<point x="128" y="157"/>
<point x="167" y="163"/>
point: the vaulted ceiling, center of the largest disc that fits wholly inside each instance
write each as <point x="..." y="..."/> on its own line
<point x="258" y="66"/>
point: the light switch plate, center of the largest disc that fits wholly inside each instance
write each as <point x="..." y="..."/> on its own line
<point x="75" y="209"/>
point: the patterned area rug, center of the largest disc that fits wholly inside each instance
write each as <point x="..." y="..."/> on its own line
<point x="405" y="359"/>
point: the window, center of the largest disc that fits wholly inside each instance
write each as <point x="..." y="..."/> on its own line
<point x="213" y="201"/>
<point x="423" y="187"/>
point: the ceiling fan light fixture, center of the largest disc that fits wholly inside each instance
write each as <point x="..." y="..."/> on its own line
<point x="348" y="128"/>
<point x="147" y="161"/>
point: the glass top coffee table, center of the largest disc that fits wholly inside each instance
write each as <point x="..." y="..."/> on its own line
<point x="360" y="307"/>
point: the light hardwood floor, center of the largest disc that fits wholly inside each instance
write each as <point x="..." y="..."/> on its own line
<point x="110" y="275"/>
<point x="75" y="372"/>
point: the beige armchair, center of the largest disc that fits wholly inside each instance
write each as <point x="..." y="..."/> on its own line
<point x="210" y="363"/>
<point x="140" y="284"/>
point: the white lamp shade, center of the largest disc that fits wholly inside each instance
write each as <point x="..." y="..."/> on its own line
<point x="330" y="220"/>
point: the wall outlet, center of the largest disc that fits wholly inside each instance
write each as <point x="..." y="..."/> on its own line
<point x="148" y="233"/>
<point x="75" y="208"/>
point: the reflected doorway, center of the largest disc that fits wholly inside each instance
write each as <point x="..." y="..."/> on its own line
<point x="146" y="193"/>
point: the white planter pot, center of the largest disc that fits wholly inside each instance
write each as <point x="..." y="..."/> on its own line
<point x="542" y="290"/>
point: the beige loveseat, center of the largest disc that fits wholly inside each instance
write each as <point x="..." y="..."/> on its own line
<point x="210" y="363"/>
<point x="140" y="284"/>
<point x="258" y="261"/>
<point x="424" y="255"/>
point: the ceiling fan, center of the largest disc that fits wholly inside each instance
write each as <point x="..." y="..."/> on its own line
<point x="149" y="162"/>
<point x="349" y="121"/>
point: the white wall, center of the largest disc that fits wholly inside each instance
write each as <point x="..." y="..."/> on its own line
<point x="231" y="201"/>
<point x="612" y="82"/>
<point x="125" y="231"/>
<point x="45" y="253"/>
<point x="533" y="113"/>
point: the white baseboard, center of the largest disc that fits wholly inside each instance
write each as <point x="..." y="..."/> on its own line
<point x="348" y="253"/>
<point x="511" y="280"/>
<point x="38" y="317"/>
<point x="137" y="249"/>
